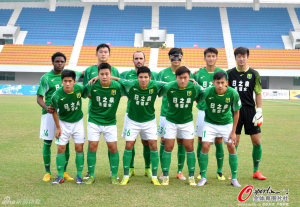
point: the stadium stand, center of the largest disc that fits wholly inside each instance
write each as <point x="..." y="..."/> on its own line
<point x="5" y="14"/>
<point x="120" y="56"/>
<point x="200" y="26"/>
<point x="259" y="28"/>
<point x="118" y="27"/>
<point x="192" y="58"/>
<point x="297" y="10"/>
<point x="57" y="28"/>
<point x="274" y="59"/>
<point x="31" y="54"/>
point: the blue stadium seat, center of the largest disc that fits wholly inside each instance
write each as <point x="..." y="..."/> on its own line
<point x="297" y="10"/>
<point x="264" y="27"/>
<point x="108" y="24"/>
<point x="5" y="15"/>
<point x="201" y="26"/>
<point x="59" y="27"/>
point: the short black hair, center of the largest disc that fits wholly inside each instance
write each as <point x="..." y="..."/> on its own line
<point x="58" y="54"/>
<point x="143" y="69"/>
<point x="138" y="52"/>
<point x="104" y="66"/>
<point x="68" y="73"/>
<point x="181" y="70"/>
<point x="211" y="50"/>
<point x="219" y="75"/>
<point x="103" y="46"/>
<point x="242" y="51"/>
<point x="175" y="50"/>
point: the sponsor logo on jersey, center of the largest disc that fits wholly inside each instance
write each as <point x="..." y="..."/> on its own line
<point x="113" y="92"/>
<point x="166" y="77"/>
<point x="189" y="93"/>
<point x="53" y="80"/>
<point x="62" y="98"/>
<point x="249" y="76"/>
<point x="151" y="91"/>
<point x="227" y="100"/>
<point x="78" y="95"/>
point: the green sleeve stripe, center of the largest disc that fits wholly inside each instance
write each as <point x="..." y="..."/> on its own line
<point x="257" y="87"/>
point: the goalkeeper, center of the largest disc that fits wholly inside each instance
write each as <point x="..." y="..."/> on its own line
<point x="247" y="81"/>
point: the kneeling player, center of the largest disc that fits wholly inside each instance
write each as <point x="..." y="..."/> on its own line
<point x="105" y="96"/>
<point x="179" y="120"/>
<point x="219" y="122"/>
<point x="141" y="120"/>
<point x="68" y="118"/>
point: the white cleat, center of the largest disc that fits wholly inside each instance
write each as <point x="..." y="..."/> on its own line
<point x="235" y="183"/>
<point x="202" y="182"/>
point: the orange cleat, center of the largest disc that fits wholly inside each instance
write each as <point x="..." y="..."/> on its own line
<point x="258" y="175"/>
<point x="180" y="176"/>
<point x="230" y="177"/>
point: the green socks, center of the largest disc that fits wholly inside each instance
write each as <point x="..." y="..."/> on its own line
<point x="166" y="161"/>
<point x="108" y="155"/>
<point x="219" y="156"/>
<point x="199" y="147"/>
<point x="79" y="163"/>
<point x="67" y="157"/>
<point x="233" y="162"/>
<point x="203" y="163"/>
<point x="132" y="158"/>
<point x="60" y="163"/>
<point x="161" y="151"/>
<point x="180" y="157"/>
<point x="154" y="161"/>
<point x="91" y="161"/>
<point x="191" y="160"/>
<point x="47" y="155"/>
<point x="236" y="146"/>
<point x="256" y="155"/>
<point x="146" y="154"/>
<point x="114" y="163"/>
<point x="127" y="156"/>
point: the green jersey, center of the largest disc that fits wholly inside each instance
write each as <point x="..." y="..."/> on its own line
<point x="205" y="80"/>
<point x="49" y="83"/>
<point x="218" y="110"/>
<point x="166" y="75"/>
<point x="68" y="105"/>
<point x="180" y="101"/>
<point x="132" y="75"/>
<point x="141" y="101"/>
<point x="92" y="72"/>
<point x="104" y="102"/>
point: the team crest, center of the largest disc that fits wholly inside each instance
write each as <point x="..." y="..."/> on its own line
<point x="227" y="100"/>
<point x="151" y="91"/>
<point x="249" y="76"/>
<point x="78" y="95"/>
<point x="113" y="92"/>
<point x="189" y="93"/>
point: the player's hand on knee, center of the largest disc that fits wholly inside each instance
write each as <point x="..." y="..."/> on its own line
<point x="232" y="137"/>
<point x="258" y="118"/>
<point x="57" y="133"/>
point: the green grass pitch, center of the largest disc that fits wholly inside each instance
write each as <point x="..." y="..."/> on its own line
<point x="21" y="164"/>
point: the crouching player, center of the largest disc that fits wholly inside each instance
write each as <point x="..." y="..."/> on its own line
<point x="105" y="96"/>
<point x="218" y="122"/>
<point x="141" y="120"/>
<point x="68" y="118"/>
<point x="179" y="120"/>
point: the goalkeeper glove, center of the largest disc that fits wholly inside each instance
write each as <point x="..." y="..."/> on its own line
<point x="258" y="118"/>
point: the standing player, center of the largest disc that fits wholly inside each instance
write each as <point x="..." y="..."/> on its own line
<point x="247" y="81"/>
<point x="179" y="120"/>
<point x="168" y="75"/>
<point x="205" y="79"/>
<point x="141" y="120"/>
<point x="105" y="96"/>
<point x="49" y="83"/>
<point x="218" y="122"/>
<point x="103" y="54"/>
<point x="138" y="61"/>
<point x="68" y="118"/>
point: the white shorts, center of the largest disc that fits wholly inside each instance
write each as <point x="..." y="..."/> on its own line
<point x="161" y="126"/>
<point x="48" y="127"/>
<point x="124" y="126"/>
<point x="211" y="131"/>
<point x="147" y="130"/>
<point x="181" y="131"/>
<point x="200" y="123"/>
<point x="76" y="130"/>
<point x="94" y="132"/>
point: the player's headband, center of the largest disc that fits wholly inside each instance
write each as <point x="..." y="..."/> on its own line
<point x="176" y="56"/>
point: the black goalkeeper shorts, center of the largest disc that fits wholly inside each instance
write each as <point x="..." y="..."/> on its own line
<point x="246" y="116"/>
